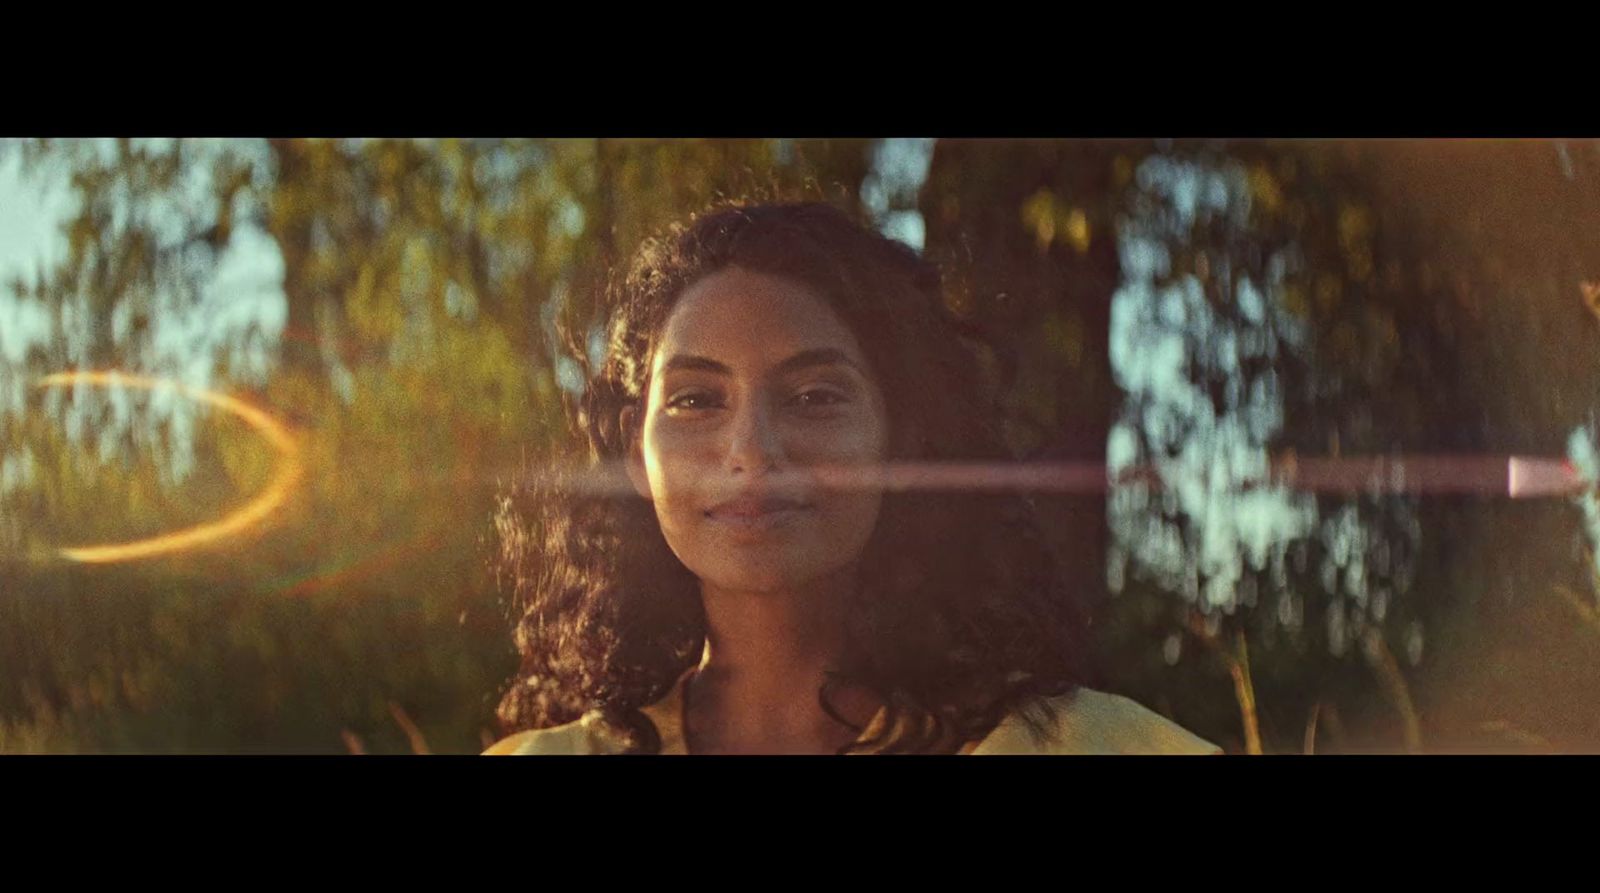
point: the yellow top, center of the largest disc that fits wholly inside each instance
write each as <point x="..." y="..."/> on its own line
<point x="1086" y="722"/>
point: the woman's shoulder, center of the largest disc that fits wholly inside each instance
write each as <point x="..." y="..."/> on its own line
<point x="1092" y="722"/>
<point x="588" y="735"/>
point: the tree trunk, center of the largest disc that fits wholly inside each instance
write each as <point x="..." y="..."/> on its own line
<point x="290" y="224"/>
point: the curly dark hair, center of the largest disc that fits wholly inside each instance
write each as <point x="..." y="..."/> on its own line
<point x="963" y="615"/>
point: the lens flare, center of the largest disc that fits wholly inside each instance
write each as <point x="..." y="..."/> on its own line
<point x="357" y="566"/>
<point x="248" y="515"/>
<point x="1514" y="477"/>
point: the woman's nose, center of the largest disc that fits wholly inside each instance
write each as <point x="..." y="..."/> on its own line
<point x="754" y="439"/>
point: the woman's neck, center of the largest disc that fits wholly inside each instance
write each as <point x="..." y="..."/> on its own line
<point x="766" y="656"/>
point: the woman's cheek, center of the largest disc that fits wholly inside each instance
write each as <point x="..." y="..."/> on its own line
<point x="853" y="521"/>
<point x="676" y="503"/>
<point x="669" y="467"/>
<point x="679" y="530"/>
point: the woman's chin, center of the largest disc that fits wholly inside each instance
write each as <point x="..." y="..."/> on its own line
<point x="754" y="584"/>
<point x="759" y="580"/>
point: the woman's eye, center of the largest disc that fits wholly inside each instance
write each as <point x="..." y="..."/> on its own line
<point x="818" y="398"/>
<point x="693" y="400"/>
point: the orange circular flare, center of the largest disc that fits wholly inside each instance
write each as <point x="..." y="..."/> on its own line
<point x="240" y="519"/>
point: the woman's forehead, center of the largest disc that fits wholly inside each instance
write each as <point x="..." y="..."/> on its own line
<point x="751" y="322"/>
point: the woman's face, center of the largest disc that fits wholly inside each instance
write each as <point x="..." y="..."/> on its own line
<point x="755" y="380"/>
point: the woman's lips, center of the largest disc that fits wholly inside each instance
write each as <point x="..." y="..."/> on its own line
<point x="759" y="519"/>
<point x="755" y="504"/>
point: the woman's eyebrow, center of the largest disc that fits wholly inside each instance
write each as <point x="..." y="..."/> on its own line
<point x="805" y="359"/>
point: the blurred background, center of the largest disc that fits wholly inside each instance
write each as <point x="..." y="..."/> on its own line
<point x="392" y="304"/>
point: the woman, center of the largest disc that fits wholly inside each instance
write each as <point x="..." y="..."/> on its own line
<point x="741" y="597"/>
